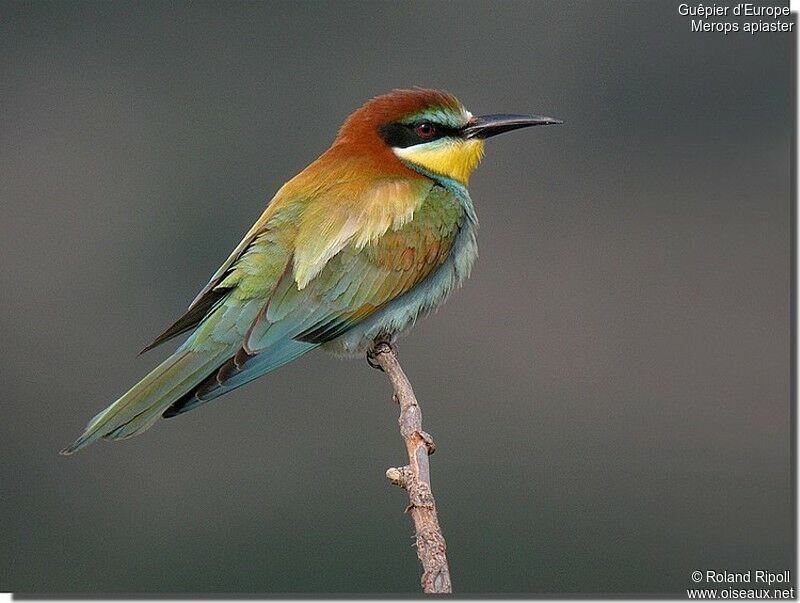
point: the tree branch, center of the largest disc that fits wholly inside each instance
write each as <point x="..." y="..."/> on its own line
<point x="415" y="477"/>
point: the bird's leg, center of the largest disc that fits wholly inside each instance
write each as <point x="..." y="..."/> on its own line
<point x="380" y="346"/>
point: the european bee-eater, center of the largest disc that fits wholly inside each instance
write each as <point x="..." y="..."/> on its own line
<point x="373" y="234"/>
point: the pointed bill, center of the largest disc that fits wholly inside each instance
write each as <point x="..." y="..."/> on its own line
<point x="485" y="126"/>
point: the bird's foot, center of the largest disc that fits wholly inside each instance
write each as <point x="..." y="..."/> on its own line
<point x="379" y="347"/>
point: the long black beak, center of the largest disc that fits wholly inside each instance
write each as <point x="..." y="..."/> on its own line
<point x="484" y="126"/>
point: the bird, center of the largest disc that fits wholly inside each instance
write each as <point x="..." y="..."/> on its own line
<point x="373" y="234"/>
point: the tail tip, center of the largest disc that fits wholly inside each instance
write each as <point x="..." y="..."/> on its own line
<point x="74" y="447"/>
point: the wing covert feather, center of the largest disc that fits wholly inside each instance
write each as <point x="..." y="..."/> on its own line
<point x="359" y="280"/>
<point x="322" y="263"/>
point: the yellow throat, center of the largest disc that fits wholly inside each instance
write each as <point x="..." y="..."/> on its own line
<point x="453" y="158"/>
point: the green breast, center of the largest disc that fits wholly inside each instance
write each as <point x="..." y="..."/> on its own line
<point x="438" y="247"/>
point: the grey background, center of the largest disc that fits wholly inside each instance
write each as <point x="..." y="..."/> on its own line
<point x="609" y="392"/>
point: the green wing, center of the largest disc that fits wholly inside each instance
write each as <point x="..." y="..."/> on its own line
<point x="254" y="317"/>
<point x="354" y="284"/>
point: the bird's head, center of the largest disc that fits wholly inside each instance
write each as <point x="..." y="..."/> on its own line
<point x="428" y="131"/>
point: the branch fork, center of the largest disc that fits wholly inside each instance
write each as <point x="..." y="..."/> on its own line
<point x="415" y="478"/>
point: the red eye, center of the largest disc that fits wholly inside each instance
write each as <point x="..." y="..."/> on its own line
<point x="425" y="130"/>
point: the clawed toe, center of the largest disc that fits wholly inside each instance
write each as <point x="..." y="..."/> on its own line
<point x="380" y="347"/>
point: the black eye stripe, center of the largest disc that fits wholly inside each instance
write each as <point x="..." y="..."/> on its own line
<point x="404" y="135"/>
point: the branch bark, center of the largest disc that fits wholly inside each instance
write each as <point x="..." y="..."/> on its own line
<point x="415" y="478"/>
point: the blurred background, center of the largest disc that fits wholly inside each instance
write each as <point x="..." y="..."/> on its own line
<point x="609" y="393"/>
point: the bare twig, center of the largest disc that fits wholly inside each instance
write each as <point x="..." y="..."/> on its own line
<point x="415" y="477"/>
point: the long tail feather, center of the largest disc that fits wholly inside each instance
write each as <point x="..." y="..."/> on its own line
<point x="230" y="376"/>
<point x="143" y="404"/>
<point x="214" y="341"/>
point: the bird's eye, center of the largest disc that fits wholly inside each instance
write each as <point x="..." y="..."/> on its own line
<point x="425" y="130"/>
